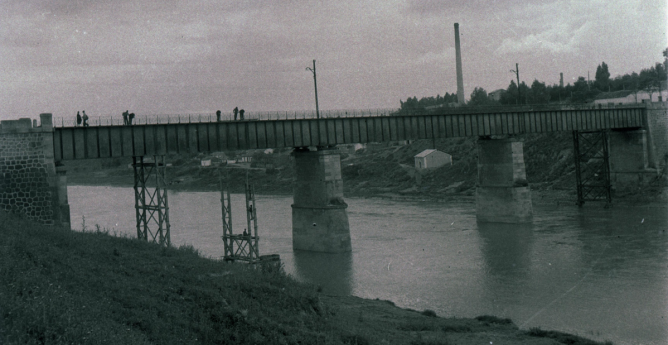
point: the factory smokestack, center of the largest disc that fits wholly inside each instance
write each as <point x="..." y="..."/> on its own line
<point x="460" y="77"/>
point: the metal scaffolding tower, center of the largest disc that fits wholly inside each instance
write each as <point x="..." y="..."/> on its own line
<point x="592" y="168"/>
<point x="226" y="208"/>
<point x="151" y="206"/>
<point x="241" y="247"/>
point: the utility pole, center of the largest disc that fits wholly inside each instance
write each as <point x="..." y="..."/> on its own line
<point x="517" y="73"/>
<point x="315" y="83"/>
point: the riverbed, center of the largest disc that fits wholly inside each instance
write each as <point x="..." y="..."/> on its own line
<point x="595" y="272"/>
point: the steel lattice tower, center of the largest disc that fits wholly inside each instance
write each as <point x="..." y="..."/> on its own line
<point x="592" y="167"/>
<point x="151" y="205"/>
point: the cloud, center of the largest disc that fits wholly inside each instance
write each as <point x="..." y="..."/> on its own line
<point x="440" y="7"/>
<point x="172" y="55"/>
<point x="555" y="40"/>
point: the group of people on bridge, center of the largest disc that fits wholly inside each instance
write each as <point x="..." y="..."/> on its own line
<point x="236" y="113"/>
<point x="82" y="119"/>
<point x="127" y="118"/>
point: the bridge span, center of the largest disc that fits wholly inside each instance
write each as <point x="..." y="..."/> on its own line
<point x="612" y="145"/>
<point x="160" y="139"/>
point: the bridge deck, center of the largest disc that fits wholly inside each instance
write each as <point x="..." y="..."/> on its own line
<point x="160" y="139"/>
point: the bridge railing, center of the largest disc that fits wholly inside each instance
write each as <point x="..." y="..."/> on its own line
<point x="117" y="120"/>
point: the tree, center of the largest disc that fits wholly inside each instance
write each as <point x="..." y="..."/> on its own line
<point x="651" y="79"/>
<point x="410" y="106"/>
<point x="602" y="77"/>
<point x="510" y="96"/>
<point x="580" y="90"/>
<point x="479" y="97"/>
<point x="539" y="93"/>
<point x="524" y="93"/>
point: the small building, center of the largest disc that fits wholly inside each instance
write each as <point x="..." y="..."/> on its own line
<point x="628" y="96"/>
<point x="432" y="158"/>
<point x="244" y="159"/>
<point x="496" y="94"/>
<point x="351" y="148"/>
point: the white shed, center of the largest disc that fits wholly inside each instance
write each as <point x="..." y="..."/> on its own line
<point x="432" y="159"/>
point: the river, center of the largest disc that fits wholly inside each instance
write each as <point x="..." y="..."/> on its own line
<point x="595" y="272"/>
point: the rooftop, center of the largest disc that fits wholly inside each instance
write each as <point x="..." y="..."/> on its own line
<point x="425" y="153"/>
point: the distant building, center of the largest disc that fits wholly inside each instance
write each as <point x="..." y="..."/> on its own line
<point x="496" y="95"/>
<point x="628" y="96"/>
<point x="442" y="105"/>
<point x="245" y="159"/>
<point x="431" y="158"/>
<point x="351" y="148"/>
<point x="214" y="158"/>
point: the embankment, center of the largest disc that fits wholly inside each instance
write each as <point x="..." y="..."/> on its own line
<point x="64" y="287"/>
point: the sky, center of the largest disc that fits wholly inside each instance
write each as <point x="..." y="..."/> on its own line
<point x="199" y="56"/>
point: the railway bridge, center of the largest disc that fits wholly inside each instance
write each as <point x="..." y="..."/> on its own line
<point x="612" y="145"/>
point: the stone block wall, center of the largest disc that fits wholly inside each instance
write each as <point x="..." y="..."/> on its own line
<point x="30" y="185"/>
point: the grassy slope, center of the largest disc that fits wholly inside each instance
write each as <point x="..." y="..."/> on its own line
<point x="63" y="287"/>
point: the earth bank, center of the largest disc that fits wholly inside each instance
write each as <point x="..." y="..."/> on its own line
<point x="63" y="287"/>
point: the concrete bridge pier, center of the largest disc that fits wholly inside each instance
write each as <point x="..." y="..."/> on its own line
<point x="319" y="217"/>
<point x="502" y="194"/>
<point x="631" y="163"/>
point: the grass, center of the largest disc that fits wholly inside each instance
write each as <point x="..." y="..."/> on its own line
<point x="63" y="287"/>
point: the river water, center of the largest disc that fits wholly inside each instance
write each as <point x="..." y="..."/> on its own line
<point x="595" y="272"/>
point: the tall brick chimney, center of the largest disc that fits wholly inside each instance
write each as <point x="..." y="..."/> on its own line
<point x="460" y="76"/>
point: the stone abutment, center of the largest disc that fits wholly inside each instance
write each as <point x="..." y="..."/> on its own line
<point x="32" y="185"/>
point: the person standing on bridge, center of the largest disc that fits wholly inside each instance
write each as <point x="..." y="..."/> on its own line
<point x="131" y="117"/>
<point x="125" y="118"/>
<point x="78" y="120"/>
<point x="235" y="111"/>
<point x="241" y="115"/>
<point x="218" y="116"/>
<point x="85" y="119"/>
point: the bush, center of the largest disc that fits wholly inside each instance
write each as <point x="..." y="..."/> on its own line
<point x="562" y="337"/>
<point x="489" y="319"/>
<point x="429" y="313"/>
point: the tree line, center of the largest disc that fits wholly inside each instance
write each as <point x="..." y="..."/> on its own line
<point x="581" y="91"/>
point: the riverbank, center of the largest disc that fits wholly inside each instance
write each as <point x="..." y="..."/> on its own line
<point x="542" y="192"/>
<point x="60" y="287"/>
<point x="378" y="170"/>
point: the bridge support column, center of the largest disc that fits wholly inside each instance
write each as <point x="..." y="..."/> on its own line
<point x="319" y="217"/>
<point x="502" y="193"/>
<point x="61" y="200"/>
<point x="629" y="159"/>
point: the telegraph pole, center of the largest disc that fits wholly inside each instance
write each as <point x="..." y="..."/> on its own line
<point x="315" y="83"/>
<point x="517" y="73"/>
